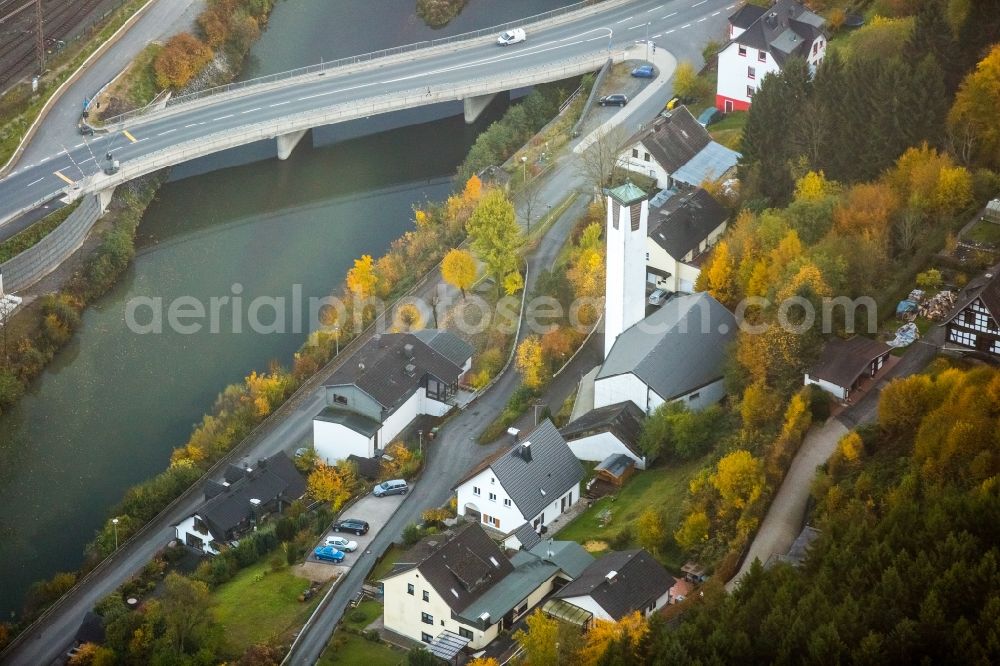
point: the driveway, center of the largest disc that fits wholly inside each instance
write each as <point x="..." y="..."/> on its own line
<point x="376" y="511"/>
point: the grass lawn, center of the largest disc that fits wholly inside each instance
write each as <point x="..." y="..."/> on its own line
<point x="985" y="233"/>
<point x="664" y="487"/>
<point x="392" y="555"/>
<point x="258" y="605"/>
<point x="729" y="130"/>
<point x="345" y="648"/>
<point x="363" y="615"/>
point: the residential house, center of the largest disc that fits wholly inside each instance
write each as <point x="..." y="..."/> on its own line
<point x="376" y="393"/>
<point x="678" y="353"/>
<point x="612" y="587"/>
<point x="466" y="591"/>
<point x="761" y="40"/>
<point x="534" y="482"/>
<point x="677" y="151"/>
<point x="681" y="232"/>
<point x="606" y="431"/>
<point x="843" y="364"/>
<point x="973" y="323"/>
<point x="238" y="503"/>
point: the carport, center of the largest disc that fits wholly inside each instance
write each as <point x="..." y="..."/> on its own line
<point x="447" y="646"/>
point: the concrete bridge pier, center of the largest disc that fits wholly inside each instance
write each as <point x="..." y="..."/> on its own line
<point x="474" y="106"/>
<point x="287" y="143"/>
<point x="104" y="199"/>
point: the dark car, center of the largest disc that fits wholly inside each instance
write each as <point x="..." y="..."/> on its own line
<point x="613" y="100"/>
<point x="352" y="525"/>
<point x="644" y="72"/>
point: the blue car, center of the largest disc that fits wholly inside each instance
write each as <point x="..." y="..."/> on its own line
<point x="329" y="554"/>
<point x="644" y="72"/>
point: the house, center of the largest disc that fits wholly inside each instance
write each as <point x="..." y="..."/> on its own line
<point x="678" y="353"/>
<point x="534" y="482"/>
<point x="376" y="393"/>
<point x="843" y="363"/>
<point x="237" y="504"/>
<point x="614" y="586"/>
<point x="676" y="150"/>
<point x="681" y="232"/>
<point x="607" y="431"/>
<point x="761" y="40"/>
<point x="973" y="322"/>
<point x="466" y="591"/>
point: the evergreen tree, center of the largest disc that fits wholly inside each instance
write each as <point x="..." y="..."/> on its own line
<point x="933" y="36"/>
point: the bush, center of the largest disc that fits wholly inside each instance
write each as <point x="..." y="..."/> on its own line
<point x="411" y="534"/>
<point x="622" y="538"/>
<point x="182" y="58"/>
<point x="357" y="616"/>
<point x="437" y="13"/>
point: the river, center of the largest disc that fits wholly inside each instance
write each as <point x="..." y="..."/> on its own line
<point x="106" y="414"/>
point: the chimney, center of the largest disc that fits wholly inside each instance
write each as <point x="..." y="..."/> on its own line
<point x="411" y="369"/>
<point x="408" y="350"/>
<point x="549" y="553"/>
<point x="526" y="451"/>
<point x="610" y="576"/>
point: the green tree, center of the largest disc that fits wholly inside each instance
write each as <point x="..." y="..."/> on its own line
<point x="495" y="235"/>
<point x="187" y="610"/>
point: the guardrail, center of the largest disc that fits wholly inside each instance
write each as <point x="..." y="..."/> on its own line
<point x="322" y="68"/>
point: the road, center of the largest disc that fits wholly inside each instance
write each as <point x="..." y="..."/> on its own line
<point x="187" y="127"/>
<point x="783" y="521"/>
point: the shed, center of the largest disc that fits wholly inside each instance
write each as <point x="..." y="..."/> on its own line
<point x="843" y="363"/>
<point x="616" y="469"/>
<point x="992" y="213"/>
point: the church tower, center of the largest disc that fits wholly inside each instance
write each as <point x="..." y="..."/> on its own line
<point x="625" y="296"/>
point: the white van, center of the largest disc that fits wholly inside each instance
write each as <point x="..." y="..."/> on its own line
<point x="393" y="487"/>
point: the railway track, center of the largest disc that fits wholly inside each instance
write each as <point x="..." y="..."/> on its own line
<point x="17" y="34"/>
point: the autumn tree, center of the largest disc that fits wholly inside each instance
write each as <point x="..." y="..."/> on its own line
<point x="361" y="279"/>
<point x="531" y="362"/>
<point x="182" y="57"/>
<point x="397" y="462"/>
<point x="739" y="479"/>
<point x="686" y="81"/>
<point x="494" y="234"/>
<point x="539" y="639"/>
<point x="328" y="483"/>
<point x="513" y="283"/>
<point x="694" y="531"/>
<point x="187" y="610"/>
<point x="972" y="121"/>
<point x="651" y="532"/>
<point x="92" y="654"/>
<point x="484" y="661"/>
<point x="459" y="269"/>
<point x="623" y="637"/>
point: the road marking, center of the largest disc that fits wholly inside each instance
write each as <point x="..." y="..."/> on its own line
<point x="129" y="136"/>
<point x="658" y="35"/>
<point x="279" y="104"/>
<point x="685" y="26"/>
<point x="699" y="3"/>
<point x="191" y="125"/>
<point x="652" y="10"/>
<point x="701" y="19"/>
<point x="223" y="117"/>
<point x="716" y="13"/>
<point x="668" y="32"/>
<point x="730" y="6"/>
<point x="63" y="177"/>
<point x="641" y="25"/>
<point x="88" y="159"/>
<point x="322" y="94"/>
<point x="167" y="131"/>
<point x="250" y="111"/>
<point x="36" y="181"/>
<point x="80" y="145"/>
<point x="669" y="15"/>
<point x="624" y="20"/>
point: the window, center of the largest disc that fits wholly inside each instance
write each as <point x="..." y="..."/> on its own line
<point x="342" y="399"/>
<point x="749" y="91"/>
<point x="427" y="618"/>
<point x="475" y="490"/>
<point x="645" y="157"/>
<point x="743" y="51"/>
<point x="815" y="47"/>
<point x="491" y="520"/>
<point x="751" y="73"/>
<point x="493" y="497"/>
<point x="427" y="595"/>
<point x="506" y="501"/>
<point x="635" y="152"/>
<point x="694" y="396"/>
<point x="761" y="56"/>
<point x="409" y="588"/>
<point x="464" y="633"/>
<point x="426" y="638"/>
<point x="962" y="337"/>
<point x="492" y="480"/>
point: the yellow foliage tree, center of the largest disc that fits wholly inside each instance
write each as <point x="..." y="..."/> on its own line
<point x="739" y="478"/>
<point x="851" y="447"/>
<point x="759" y="406"/>
<point x="813" y="187"/>
<point x="953" y="191"/>
<point x="651" y="531"/>
<point x="484" y="661"/>
<point x="361" y="279"/>
<point x="400" y="464"/>
<point x="473" y="189"/>
<point x="721" y="276"/>
<point x="330" y="484"/>
<point x="513" y="283"/>
<point x="531" y="362"/>
<point x="973" y="116"/>
<point x="182" y="57"/>
<point x="459" y="269"/>
<point x="694" y="531"/>
<point x="539" y="640"/>
<point x="628" y="632"/>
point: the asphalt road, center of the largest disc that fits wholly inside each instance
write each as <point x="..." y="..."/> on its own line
<point x="187" y="124"/>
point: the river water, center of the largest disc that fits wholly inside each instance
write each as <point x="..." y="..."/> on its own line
<point x="109" y="410"/>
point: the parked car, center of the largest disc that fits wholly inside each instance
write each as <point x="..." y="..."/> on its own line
<point x="709" y="116"/>
<point x="340" y="543"/>
<point x="659" y="297"/>
<point x="509" y="37"/>
<point x="613" y="100"/>
<point x="328" y="554"/>
<point x="644" y="72"/>
<point x="393" y="487"/>
<point x="352" y="525"/>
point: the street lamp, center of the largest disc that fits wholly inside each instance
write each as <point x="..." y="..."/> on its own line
<point x="114" y="521"/>
<point x="647" y="41"/>
<point x="524" y="169"/>
<point x="336" y="332"/>
<point x="420" y="434"/>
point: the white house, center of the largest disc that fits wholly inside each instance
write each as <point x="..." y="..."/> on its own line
<point x="678" y="353"/>
<point x="973" y="325"/>
<point x="237" y="503"/>
<point x="534" y="482"/>
<point x="681" y="232"/>
<point x="677" y="151"/>
<point x="466" y="590"/>
<point x="614" y="586"/>
<point x="607" y="431"/>
<point x="760" y="41"/>
<point x="843" y="364"/>
<point x="394" y="378"/>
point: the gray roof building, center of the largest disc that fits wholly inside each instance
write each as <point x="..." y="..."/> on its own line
<point x="676" y="350"/>
<point x="535" y="471"/>
<point x="673" y="139"/>
<point x="711" y="163"/>
<point x="787" y="29"/>
<point x="623" y="419"/>
<point x="685" y="221"/>
<point x="621" y="583"/>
